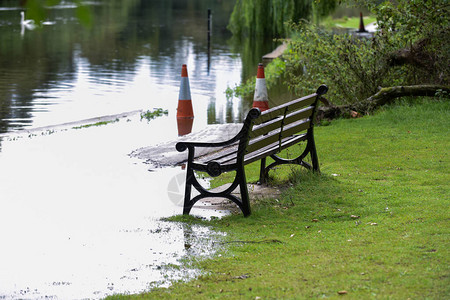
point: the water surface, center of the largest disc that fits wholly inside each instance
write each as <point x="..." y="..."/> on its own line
<point x="79" y="218"/>
<point x="129" y="59"/>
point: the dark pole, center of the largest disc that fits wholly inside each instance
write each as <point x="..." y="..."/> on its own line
<point x="209" y="22"/>
<point x="209" y="38"/>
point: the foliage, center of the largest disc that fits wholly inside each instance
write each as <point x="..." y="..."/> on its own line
<point x="150" y="115"/>
<point x="345" y="22"/>
<point x="354" y="68"/>
<point x="410" y="48"/>
<point x="267" y="18"/>
<point x="419" y="29"/>
<point x="274" y="72"/>
<point x="322" y="8"/>
<point x="374" y="224"/>
<point x="255" y="24"/>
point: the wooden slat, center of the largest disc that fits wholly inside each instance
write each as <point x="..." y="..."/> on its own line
<point x="273" y="148"/>
<point x="276" y="123"/>
<point x="275" y="136"/>
<point x="221" y="155"/>
<point x="266" y="127"/>
<point x="295" y="128"/>
<point x="280" y="110"/>
<point x="268" y="150"/>
<point x="263" y="141"/>
<point x="298" y="115"/>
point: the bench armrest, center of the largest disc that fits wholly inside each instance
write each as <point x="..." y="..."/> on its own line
<point x="182" y="146"/>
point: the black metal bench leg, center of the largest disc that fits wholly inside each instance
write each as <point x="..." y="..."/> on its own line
<point x="313" y="152"/>
<point x="240" y="173"/>
<point x="187" y="192"/>
<point x="315" y="160"/>
<point x="262" y="171"/>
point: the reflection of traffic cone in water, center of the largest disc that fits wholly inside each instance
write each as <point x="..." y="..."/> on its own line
<point x="261" y="98"/>
<point x="185" y="113"/>
<point x="361" y="23"/>
<point x="184" y="125"/>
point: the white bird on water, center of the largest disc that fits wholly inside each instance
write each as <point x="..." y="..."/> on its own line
<point x="28" y="24"/>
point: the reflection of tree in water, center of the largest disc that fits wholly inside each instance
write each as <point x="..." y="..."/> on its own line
<point x="31" y="66"/>
<point x="122" y="32"/>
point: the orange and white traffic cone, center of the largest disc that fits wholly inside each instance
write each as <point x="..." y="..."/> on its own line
<point x="184" y="109"/>
<point x="261" y="98"/>
<point x="185" y="113"/>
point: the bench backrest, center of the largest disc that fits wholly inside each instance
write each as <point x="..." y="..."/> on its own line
<point x="283" y="121"/>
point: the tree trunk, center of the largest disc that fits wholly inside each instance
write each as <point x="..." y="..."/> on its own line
<point x="384" y="96"/>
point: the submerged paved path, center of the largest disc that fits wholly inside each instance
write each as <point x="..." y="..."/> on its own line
<point x="165" y="154"/>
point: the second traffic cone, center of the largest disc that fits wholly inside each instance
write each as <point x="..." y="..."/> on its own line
<point x="261" y="98"/>
<point x="184" y="109"/>
<point x="361" y="23"/>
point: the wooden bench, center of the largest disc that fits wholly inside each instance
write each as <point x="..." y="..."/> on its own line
<point x="262" y="135"/>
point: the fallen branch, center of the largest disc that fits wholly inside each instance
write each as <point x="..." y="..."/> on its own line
<point x="384" y="96"/>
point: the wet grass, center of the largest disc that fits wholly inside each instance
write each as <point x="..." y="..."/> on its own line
<point x="153" y="114"/>
<point x="101" y="123"/>
<point x="373" y="225"/>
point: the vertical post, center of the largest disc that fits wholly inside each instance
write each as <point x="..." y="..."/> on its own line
<point x="209" y="23"/>
<point x="209" y="38"/>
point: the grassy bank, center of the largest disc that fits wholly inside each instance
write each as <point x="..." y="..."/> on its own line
<point x="352" y="22"/>
<point x="375" y="224"/>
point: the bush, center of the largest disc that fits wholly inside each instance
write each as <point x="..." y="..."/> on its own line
<point x="353" y="67"/>
<point x="410" y="48"/>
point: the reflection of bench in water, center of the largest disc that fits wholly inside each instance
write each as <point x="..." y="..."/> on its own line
<point x="262" y="135"/>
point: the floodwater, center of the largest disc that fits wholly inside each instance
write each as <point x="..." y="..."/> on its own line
<point x="80" y="218"/>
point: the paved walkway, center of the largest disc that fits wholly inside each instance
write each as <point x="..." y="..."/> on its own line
<point x="256" y="191"/>
<point x="165" y="154"/>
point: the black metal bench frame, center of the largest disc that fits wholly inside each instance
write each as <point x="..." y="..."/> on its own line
<point x="262" y="135"/>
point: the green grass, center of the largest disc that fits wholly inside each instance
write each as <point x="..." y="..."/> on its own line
<point x="374" y="224"/>
<point x="352" y="22"/>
